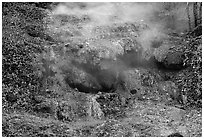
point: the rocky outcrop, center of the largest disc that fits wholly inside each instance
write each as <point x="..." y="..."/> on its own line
<point x="170" y="55"/>
<point x="83" y="81"/>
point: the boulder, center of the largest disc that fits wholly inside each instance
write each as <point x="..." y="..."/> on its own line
<point x="94" y="107"/>
<point x="173" y="61"/>
<point x="171" y="91"/>
<point x="170" y="54"/>
<point x="79" y="106"/>
<point x="83" y="81"/>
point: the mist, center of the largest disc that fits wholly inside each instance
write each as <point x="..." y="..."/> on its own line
<point x="160" y="18"/>
<point x="157" y="16"/>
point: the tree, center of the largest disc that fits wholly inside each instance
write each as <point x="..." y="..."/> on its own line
<point x="189" y="18"/>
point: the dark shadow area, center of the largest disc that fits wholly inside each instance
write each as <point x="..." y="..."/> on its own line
<point x="108" y="80"/>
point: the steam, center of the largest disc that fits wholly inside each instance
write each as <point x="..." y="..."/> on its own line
<point x="107" y="14"/>
<point x="99" y="15"/>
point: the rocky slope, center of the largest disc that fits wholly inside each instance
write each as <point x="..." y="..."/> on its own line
<point x="58" y="81"/>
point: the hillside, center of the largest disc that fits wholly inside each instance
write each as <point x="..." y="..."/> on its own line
<point x="101" y="70"/>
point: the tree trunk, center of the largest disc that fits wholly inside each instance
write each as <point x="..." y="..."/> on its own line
<point x="189" y="18"/>
<point x="195" y="10"/>
<point x="200" y="13"/>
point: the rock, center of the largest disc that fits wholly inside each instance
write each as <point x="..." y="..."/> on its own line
<point x="141" y="84"/>
<point x="132" y="79"/>
<point x="175" y="135"/>
<point x="111" y="105"/>
<point x="81" y="105"/>
<point x="171" y="91"/>
<point x="161" y="52"/>
<point x="165" y="131"/>
<point x="168" y="56"/>
<point x="83" y="81"/>
<point x="176" y="115"/>
<point x="65" y="112"/>
<point x="91" y="78"/>
<point x="94" y="108"/>
<point x="183" y="130"/>
<point x="174" y="60"/>
<point x="74" y="107"/>
<point x="139" y="77"/>
<point x="48" y="106"/>
<point x="147" y="79"/>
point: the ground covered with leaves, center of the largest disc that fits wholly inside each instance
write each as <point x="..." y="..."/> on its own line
<point x="60" y="80"/>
